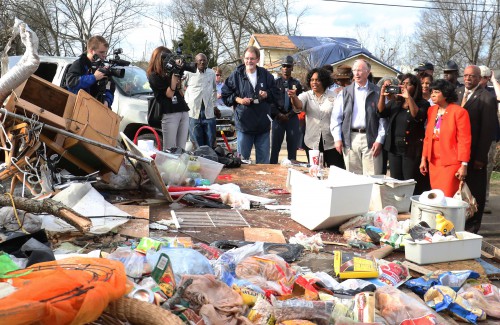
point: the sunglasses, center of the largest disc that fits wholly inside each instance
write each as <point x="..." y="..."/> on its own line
<point x="218" y="75"/>
<point x="286" y="65"/>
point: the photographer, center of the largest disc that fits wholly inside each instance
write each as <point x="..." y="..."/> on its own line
<point x="407" y="114"/>
<point x="167" y="90"/>
<point x="81" y="75"/>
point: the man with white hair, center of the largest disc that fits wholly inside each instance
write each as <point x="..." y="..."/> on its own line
<point x="356" y="128"/>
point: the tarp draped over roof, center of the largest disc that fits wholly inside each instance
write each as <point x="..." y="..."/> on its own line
<point x="318" y="51"/>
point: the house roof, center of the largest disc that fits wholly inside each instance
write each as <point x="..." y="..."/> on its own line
<point x="274" y="41"/>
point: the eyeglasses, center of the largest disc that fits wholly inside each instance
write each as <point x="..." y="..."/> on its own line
<point x="250" y="59"/>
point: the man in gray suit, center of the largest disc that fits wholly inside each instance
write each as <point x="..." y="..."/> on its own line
<point x="482" y="109"/>
<point x="357" y="130"/>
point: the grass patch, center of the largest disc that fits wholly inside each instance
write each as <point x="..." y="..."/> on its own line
<point x="495" y="176"/>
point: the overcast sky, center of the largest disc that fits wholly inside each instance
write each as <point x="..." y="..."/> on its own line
<point x="324" y="18"/>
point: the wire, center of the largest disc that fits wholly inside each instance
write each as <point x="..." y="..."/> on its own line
<point x="15" y="214"/>
<point x="416" y="7"/>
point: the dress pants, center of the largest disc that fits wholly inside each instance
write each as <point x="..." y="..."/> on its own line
<point x="359" y="158"/>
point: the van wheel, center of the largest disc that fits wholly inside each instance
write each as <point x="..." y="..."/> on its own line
<point x="150" y="136"/>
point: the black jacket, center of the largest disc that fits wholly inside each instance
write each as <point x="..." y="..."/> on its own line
<point x="278" y="106"/>
<point x="415" y="126"/>
<point x="254" y="118"/>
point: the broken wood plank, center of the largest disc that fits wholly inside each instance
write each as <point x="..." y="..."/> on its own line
<point x="136" y="228"/>
<point x="491" y="249"/>
<point x="415" y="267"/>
<point x="264" y="235"/>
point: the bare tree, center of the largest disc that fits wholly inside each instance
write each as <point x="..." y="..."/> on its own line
<point x="465" y="31"/>
<point x="230" y="23"/>
<point x="64" y="26"/>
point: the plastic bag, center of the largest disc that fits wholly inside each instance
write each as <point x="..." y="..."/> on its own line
<point x="453" y="279"/>
<point x="464" y="194"/>
<point x="317" y="311"/>
<point x="484" y="296"/>
<point x="386" y="219"/>
<point x="269" y="272"/>
<point x="398" y="308"/>
<point x="445" y="298"/>
<point x="135" y="263"/>
<point x="184" y="261"/>
<point x="225" y="266"/>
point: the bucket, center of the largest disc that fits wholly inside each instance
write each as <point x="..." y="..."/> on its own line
<point x="454" y="210"/>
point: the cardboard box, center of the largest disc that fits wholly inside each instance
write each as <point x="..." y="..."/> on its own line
<point x="320" y="204"/>
<point x="467" y="247"/>
<point x="390" y="191"/>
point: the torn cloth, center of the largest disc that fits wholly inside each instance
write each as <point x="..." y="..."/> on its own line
<point x="215" y="301"/>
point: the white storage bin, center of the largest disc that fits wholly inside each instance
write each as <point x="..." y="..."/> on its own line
<point x="467" y="247"/>
<point x="320" y="204"/>
<point x="390" y="191"/>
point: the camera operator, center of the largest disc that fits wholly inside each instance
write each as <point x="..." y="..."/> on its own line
<point x="167" y="90"/>
<point x="81" y="75"/>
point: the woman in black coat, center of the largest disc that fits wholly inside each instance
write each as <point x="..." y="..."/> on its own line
<point x="406" y="114"/>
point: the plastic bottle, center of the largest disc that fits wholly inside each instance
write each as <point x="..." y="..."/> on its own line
<point x="445" y="226"/>
<point x="201" y="182"/>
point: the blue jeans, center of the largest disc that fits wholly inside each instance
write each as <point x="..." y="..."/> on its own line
<point x="262" y="144"/>
<point x="202" y="130"/>
<point x="292" y="138"/>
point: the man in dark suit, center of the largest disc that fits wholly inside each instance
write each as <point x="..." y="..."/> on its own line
<point x="482" y="108"/>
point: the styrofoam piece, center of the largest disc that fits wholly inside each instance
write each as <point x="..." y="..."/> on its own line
<point x="468" y="246"/>
<point x="320" y="204"/>
<point x="390" y="191"/>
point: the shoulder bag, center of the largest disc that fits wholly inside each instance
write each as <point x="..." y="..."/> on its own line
<point x="154" y="113"/>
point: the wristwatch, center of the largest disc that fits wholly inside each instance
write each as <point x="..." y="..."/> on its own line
<point x="464" y="163"/>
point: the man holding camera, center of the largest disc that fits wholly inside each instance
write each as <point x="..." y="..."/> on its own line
<point x="285" y="120"/>
<point x="201" y="97"/>
<point x="82" y="74"/>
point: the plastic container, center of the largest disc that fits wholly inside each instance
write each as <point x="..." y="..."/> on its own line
<point x="174" y="169"/>
<point x="390" y="191"/>
<point x="320" y="204"/>
<point x="467" y="247"/>
<point x="454" y="210"/>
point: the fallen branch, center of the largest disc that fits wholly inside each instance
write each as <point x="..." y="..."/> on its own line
<point x="49" y="206"/>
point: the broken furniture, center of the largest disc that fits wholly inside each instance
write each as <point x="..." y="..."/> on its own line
<point x="79" y="114"/>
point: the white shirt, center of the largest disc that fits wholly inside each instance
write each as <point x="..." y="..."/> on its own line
<point x="358" y="109"/>
<point x="318" y="114"/>
<point x="337" y="119"/>
<point x="200" y="87"/>
<point x="253" y="78"/>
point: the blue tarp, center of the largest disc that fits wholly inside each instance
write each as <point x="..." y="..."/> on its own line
<point x="326" y="54"/>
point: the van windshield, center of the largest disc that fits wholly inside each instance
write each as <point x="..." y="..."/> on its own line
<point x="134" y="82"/>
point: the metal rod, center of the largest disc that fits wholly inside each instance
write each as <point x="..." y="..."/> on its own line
<point x="75" y="136"/>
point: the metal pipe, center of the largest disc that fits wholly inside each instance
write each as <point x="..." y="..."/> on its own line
<point x="75" y="136"/>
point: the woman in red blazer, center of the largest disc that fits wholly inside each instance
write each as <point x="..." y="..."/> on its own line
<point x="447" y="140"/>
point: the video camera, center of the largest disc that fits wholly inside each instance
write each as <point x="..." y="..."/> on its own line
<point x="176" y="64"/>
<point x="112" y="67"/>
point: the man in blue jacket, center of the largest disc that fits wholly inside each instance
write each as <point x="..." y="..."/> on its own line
<point x="81" y="75"/>
<point x="251" y="90"/>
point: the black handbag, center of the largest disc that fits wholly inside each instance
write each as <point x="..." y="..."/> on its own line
<point x="154" y="113"/>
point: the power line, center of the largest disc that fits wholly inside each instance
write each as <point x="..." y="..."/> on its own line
<point x="415" y="7"/>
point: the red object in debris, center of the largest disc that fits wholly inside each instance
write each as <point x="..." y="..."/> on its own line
<point x="279" y="191"/>
<point x="186" y="188"/>
<point x="225" y="141"/>
<point x="158" y="142"/>
<point x="225" y="177"/>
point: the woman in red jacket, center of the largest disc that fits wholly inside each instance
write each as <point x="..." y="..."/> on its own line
<point x="447" y="140"/>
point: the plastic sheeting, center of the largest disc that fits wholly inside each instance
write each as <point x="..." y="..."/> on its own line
<point x="26" y="66"/>
<point x="326" y="54"/>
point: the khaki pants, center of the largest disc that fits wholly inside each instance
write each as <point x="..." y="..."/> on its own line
<point x="359" y="158"/>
